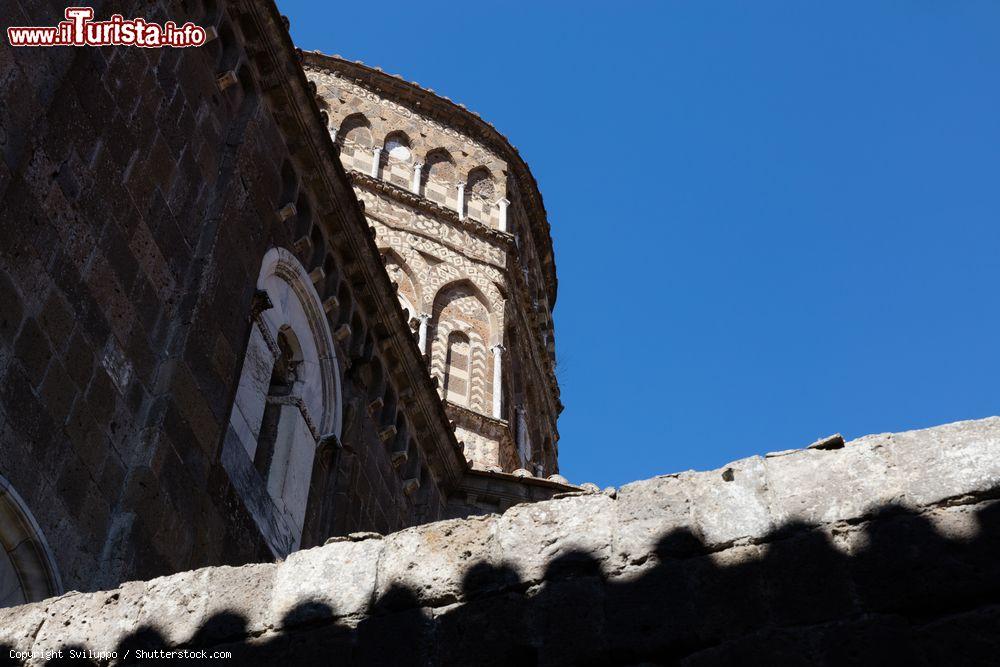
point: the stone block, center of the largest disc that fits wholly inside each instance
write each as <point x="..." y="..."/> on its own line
<point x="648" y="512"/>
<point x="439" y="563"/>
<point x="730" y="504"/>
<point x="572" y="534"/>
<point x="821" y="486"/>
<point x="337" y="579"/>
<point x="194" y="603"/>
<point x="933" y="464"/>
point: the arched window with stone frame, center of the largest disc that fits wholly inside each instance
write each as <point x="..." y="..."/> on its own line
<point x="459" y="355"/>
<point x="28" y="571"/>
<point x="287" y="402"/>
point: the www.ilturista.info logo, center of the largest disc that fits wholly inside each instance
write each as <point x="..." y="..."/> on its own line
<point x="79" y="30"/>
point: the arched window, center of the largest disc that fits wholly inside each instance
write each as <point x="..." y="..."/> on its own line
<point x="355" y="139"/>
<point x="397" y="147"/>
<point x="288" y="399"/>
<point x="459" y="353"/>
<point x="398" y="160"/>
<point x="457" y="369"/>
<point x="480" y="194"/>
<point x="356" y="130"/>
<point x="439" y="176"/>
<point x="27" y="569"/>
<point x="480" y="183"/>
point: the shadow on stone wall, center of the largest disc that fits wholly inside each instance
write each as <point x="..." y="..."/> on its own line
<point x="908" y="596"/>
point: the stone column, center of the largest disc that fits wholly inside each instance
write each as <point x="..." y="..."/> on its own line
<point x="523" y="446"/>
<point x="497" y="380"/>
<point x="460" y="204"/>
<point x="424" y="320"/>
<point x="415" y="184"/>
<point x="503" y="204"/>
<point x="376" y="159"/>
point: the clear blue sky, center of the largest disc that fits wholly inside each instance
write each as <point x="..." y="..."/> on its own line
<point x="772" y="220"/>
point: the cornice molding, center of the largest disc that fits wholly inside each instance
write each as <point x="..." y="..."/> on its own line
<point x="455" y="410"/>
<point x="470" y="484"/>
<point x="434" y="209"/>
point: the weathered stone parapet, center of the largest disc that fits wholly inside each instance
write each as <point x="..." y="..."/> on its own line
<point x="887" y="548"/>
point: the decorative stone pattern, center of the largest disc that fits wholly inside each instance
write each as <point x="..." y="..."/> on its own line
<point x="138" y="202"/>
<point x="438" y="198"/>
<point x="884" y="550"/>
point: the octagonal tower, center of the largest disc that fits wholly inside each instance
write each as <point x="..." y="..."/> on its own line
<point x="463" y="231"/>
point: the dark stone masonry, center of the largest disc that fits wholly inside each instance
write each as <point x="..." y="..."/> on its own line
<point x="169" y="220"/>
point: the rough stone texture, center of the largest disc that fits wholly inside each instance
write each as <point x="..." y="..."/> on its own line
<point x="884" y="551"/>
<point x="479" y="278"/>
<point x="138" y="201"/>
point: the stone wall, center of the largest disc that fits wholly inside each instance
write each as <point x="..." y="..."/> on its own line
<point x="885" y="550"/>
<point x="139" y="195"/>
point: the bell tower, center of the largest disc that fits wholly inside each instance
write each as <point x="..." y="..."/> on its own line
<point x="459" y="220"/>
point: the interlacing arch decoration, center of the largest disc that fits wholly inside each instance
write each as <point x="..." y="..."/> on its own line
<point x="443" y="276"/>
<point x="400" y="273"/>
